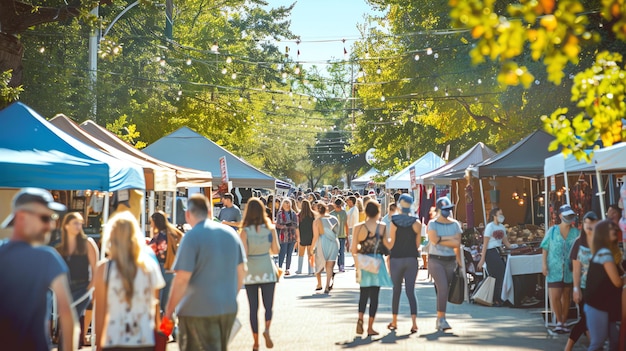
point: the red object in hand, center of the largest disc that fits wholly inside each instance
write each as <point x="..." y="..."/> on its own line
<point x="167" y="326"/>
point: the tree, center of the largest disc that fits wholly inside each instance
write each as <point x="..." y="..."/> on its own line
<point x="126" y="132"/>
<point x="562" y="35"/>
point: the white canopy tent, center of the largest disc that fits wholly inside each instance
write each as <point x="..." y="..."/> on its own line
<point x="426" y="163"/>
<point x="365" y="179"/>
<point x="612" y="158"/>
<point x="562" y="164"/>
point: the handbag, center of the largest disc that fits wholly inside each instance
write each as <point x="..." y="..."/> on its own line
<point x="456" y="293"/>
<point x="484" y="294"/>
<point x="370" y="263"/>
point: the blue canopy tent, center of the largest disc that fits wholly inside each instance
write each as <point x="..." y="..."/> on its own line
<point x="33" y="152"/>
<point x="186" y="148"/>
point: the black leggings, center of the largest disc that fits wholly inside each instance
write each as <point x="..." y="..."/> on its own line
<point x="496" y="268"/>
<point x="267" y="291"/>
<point x="371" y="293"/>
<point x="404" y="268"/>
<point x="581" y="327"/>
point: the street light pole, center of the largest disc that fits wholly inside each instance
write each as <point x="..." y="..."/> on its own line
<point x="94" y="39"/>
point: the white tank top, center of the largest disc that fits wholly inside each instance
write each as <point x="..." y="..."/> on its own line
<point x="132" y="325"/>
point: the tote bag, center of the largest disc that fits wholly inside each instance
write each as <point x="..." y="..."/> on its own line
<point x="456" y="294"/>
<point x="484" y="293"/>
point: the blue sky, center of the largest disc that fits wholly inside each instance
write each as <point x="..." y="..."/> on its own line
<point x="323" y="20"/>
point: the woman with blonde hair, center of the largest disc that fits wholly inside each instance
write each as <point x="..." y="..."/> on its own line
<point x="81" y="255"/>
<point x="326" y="246"/>
<point x="259" y="240"/>
<point x="288" y="233"/>
<point x="360" y="206"/>
<point x="164" y="243"/>
<point x="127" y="289"/>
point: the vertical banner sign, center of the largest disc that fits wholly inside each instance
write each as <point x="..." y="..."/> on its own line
<point x="224" y="169"/>
<point x="413" y="180"/>
<point x="552" y="183"/>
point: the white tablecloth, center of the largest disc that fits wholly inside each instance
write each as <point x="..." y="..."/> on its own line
<point x="517" y="265"/>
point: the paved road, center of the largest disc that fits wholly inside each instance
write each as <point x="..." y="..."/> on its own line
<point x="306" y="320"/>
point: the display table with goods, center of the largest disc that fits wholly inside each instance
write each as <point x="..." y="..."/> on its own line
<point x="523" y="280"/>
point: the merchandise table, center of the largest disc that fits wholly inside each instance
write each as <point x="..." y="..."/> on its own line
<point x="519" y="265"/>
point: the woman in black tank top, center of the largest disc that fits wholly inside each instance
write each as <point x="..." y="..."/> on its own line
<point x="404" y="241"/>
<point x="81" y="255"/>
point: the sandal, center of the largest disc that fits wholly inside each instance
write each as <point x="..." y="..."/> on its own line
<point x="359" y="327"/>
<point x="268" y="341"/>
<point x="318" y="288"/>
<point x="372" y="333"/>
<point x="390" y="326"/>
<point x="413" y="330"/>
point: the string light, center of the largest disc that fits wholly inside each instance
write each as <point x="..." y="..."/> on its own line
<point x="188" y="62"/>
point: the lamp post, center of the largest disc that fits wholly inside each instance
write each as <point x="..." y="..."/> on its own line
<point x="94" y="42"/>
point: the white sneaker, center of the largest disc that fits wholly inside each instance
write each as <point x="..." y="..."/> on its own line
<point x="442" y="324"/>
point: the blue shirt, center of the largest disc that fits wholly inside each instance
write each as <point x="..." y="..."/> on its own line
<point x="211" y="252"/>
<point x="26" y="275"/>
<point x="443" y="229"/>
<point x="230" y="214"/>
<point x="558" y="254"/>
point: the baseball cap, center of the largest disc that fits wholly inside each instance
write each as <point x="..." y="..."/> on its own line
<point x="566" y="210"/>
<point x="30" y="195"/>
<point x="591" y="216"/>
<point x="443" y="203"/>
<point x="407" y="199"/>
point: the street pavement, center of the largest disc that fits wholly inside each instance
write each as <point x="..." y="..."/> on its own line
<point x="308" y="320"/>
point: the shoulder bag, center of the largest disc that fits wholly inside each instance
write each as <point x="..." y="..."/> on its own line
<point x="370" y="263"/>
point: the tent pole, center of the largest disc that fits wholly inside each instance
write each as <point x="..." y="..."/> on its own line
<point x="174" y="207"/>
<point x="482" y="197"/>
<point x="601" y="193"/>
<point x="532" y="203"/>
<point x="105" y="219"/>
<point x="546" y="201"/>
<point x="143" y="213"/>
<point x="566" y="188"/>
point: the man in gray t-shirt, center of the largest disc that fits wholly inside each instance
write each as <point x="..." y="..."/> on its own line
<point x="210" y="266"/>
<point x="230" y="213"/>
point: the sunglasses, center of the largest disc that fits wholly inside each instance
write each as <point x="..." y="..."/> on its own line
<point x="44" y="218"/>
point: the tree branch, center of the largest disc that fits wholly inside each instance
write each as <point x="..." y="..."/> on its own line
<point x="477" y="117"/>
<point x="16" y="16"/>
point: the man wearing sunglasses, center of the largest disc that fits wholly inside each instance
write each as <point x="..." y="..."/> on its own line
<point x="29" y="271"/>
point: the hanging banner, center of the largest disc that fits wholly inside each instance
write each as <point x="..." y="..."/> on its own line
<point x="553" y="183"/>
<point x="224" y="169"/>
<point x="413" y="180"/>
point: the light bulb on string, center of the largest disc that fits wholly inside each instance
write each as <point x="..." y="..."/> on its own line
<point x="379" y="70"/>
<point x="436" y="56"/>
<point x="180" y="92"/>
<point x="284" y="75"/>
<point x="382" y="98"/>
<point x="224" y="70"/>
<point x="480" y="81"/>
<point x="416" y="57"/>
<point x="229" y="59"/>
<point x="263" y="87"/>
<point x="188" y="62"/>
<point x="162" y="63"/>
<point x="429" y="51"/>
<point x="233" y="76"/>
<point x="215" y="48"/>
<point x="42" y="49"/>
<point x="436" y="88"/>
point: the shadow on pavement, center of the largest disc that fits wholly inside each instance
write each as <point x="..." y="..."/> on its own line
<point x="436" y="335"/>
<point x="358" y="341"/>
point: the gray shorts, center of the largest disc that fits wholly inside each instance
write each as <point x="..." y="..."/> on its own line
<point x="205" y="333"/>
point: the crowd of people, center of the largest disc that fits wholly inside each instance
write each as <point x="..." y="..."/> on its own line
<point x="144" y="282"/>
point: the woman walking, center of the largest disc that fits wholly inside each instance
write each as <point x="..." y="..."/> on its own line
<point x="444" y="236"/>
<point x="404" y="242"/>
<point x="305" y="219"/>
<point x="494" y="238"/>
<point x="164" y="243"/>
<point x="127" y="285"/>
<point x="288" y="232"/>
<point x="260" y="240"/>
<point x="368" y="240"/>
<point x="603" y="295"/>
<point x="326" y="246"/>
<point x="581" y="256"/>
<point x="81" y="256"/>
<point x="556" y="246"/>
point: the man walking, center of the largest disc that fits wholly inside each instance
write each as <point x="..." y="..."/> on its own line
<point x="342" y="216"/>
<point x="29" y="270"/>
<point x="230" y="213"/>
<point x="353" y="216"/>
<point x="210" y="266"/>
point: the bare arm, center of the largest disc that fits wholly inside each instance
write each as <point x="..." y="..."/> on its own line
<point x="244" y="239"/>
<point x="483" y="254"/>
<point x="392" y="236"/>
<point x="241" y="274"/>
<point x="613" y="273"/>
<point x="179" y="286"/>
<point x="67" y="315"/>
<point x="453" y="241"/>
<point x="100" y="304"/>
<point x="417" y="228"/>
<point x="92" y="255"/>
<point x="576" y="268"/>
<point x="544" y="254"/>
<point x="275" y="248"/>
<point x="506" y="242"/>
<point x="316" y="232"/>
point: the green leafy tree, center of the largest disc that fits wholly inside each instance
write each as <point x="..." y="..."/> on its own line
<point x="564" y="35"/>
<point x="126" y="132"/>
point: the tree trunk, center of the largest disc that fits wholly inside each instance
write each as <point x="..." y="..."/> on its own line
<point x="11" y="52"/>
